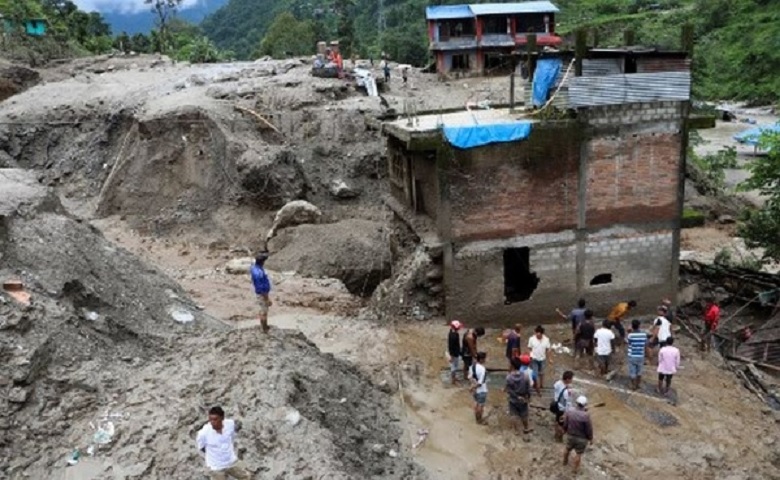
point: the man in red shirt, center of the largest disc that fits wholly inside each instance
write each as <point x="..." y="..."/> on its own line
<point x="711" y="319"/>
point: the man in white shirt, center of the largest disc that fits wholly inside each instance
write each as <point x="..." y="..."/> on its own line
<point x="215" y="441"/>
<point x="478" y="377"/>
<point x="539" y="348"/>
<point x="662" y="329"/>
<point x="604" y="338"/>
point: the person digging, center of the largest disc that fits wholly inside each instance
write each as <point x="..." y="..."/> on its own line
<point x="262" y="286"/>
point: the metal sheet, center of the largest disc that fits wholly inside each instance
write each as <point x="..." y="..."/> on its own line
<point x="632" y="88"/>
<point x="444" y="12"/>
<point x="599" y="67"/>
<point x="510" y="8"/>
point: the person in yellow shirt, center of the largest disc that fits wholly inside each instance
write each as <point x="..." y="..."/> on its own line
<point x="617" y="315"/>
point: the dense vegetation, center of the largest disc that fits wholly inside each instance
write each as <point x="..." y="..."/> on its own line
<point x="761" y="227"/>
<point x="72" y="32"/>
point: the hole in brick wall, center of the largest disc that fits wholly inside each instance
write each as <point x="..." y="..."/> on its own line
<point x="601" y="279"/>
<point x="519" y="281"/>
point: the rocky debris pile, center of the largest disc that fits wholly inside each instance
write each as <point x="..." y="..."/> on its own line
<point x="357" y="252"/>
<point x="416" y="290"/>
<point x="111" y="358"/>
<point x="15" y="79"/>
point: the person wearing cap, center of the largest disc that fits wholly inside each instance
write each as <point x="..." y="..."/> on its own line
<point x="513" y="343"/>
<point x="518" y="391"/>
<point x="579" y="432"/>
<point x="453" y="349"/>
<point x="262" y="286"/>
<point x="525" y="367"/>
<point x="479" y="389"/>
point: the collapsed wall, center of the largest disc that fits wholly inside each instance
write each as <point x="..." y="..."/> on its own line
<point x="107" y="338"/>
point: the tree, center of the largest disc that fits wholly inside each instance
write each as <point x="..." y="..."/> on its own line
<point x="345" y="28"/>
<point x="165" y="10"/>
<point x="288" y="36"/>
<point x="140" y="43"/>
<point x="761" y="228"/>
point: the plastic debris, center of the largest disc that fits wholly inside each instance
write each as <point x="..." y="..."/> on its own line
<point x="293" y="418"/>
<point x="422" y="434"/>
<point x="92" y="316"/>
<point x="15" y="289"/>
<point x="558" y="348"/>
<point x="392" y="453"/>
<point x="74" y="457"/>
<point x="181" y="316"/>
<point x="104" y="434"/>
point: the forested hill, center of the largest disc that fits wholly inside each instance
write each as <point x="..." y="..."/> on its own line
<point x="738" y="41"/>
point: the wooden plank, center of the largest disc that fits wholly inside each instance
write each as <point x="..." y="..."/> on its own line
<point x="758" y="364"/>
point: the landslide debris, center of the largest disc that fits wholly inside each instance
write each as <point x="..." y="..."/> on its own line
<point x="106" y="338"/>
<point x="355" y="251"/>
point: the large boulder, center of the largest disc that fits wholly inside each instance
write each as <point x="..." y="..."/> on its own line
<point x="357" y="252"/>
<point x="294" y="213"/>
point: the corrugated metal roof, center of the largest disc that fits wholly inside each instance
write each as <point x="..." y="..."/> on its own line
<point x="510" y="8"/>
<point x="631" y="88"/>
<point x="444" y="12"/>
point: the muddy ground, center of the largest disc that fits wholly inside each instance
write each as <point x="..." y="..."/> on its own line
<point x="159" y="184"/>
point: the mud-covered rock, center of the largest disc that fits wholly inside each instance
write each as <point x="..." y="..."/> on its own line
<point x="297" y="212"/>
<point x="357" y="252"/>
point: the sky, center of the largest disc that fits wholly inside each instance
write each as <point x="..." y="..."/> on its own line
<point x="124" y="6"/>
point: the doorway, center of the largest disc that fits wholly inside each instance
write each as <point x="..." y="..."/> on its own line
<point x="519" y="281"/>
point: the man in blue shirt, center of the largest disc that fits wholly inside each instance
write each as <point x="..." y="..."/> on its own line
<point x="262" y="286"/>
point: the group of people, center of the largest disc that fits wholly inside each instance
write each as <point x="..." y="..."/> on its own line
<point x="526" y="375"/>
<point x="527" y="365"/>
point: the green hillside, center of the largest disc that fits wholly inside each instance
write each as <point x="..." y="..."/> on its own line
<point x="737" y="54"/>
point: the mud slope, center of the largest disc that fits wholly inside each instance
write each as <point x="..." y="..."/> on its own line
<point x="105" y="334"/>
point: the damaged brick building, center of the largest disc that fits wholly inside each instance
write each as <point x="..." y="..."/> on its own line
<point x="529" y="212"/>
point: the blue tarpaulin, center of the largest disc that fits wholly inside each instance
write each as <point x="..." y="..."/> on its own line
<point x="752" y="136"/>
<point x="470" y="136"/>
<point x="547" y="70"/>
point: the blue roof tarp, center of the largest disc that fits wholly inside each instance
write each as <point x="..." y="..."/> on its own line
<point x="444" y="12"/>
<point x="510" y="8"/>
<point x="472" y="136"/>
<point x="752" y="136"/>
<point x="547" y="70"/>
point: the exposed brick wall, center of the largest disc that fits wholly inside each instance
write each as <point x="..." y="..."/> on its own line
<point x="632" y="179"/>
<point x="511" y="189"/>
<point x="640" y="262"/>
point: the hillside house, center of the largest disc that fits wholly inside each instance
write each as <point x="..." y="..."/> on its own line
<point x="477" y="39"/>
<point x="35" y="27"/>
<point x="526" y="214"/>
